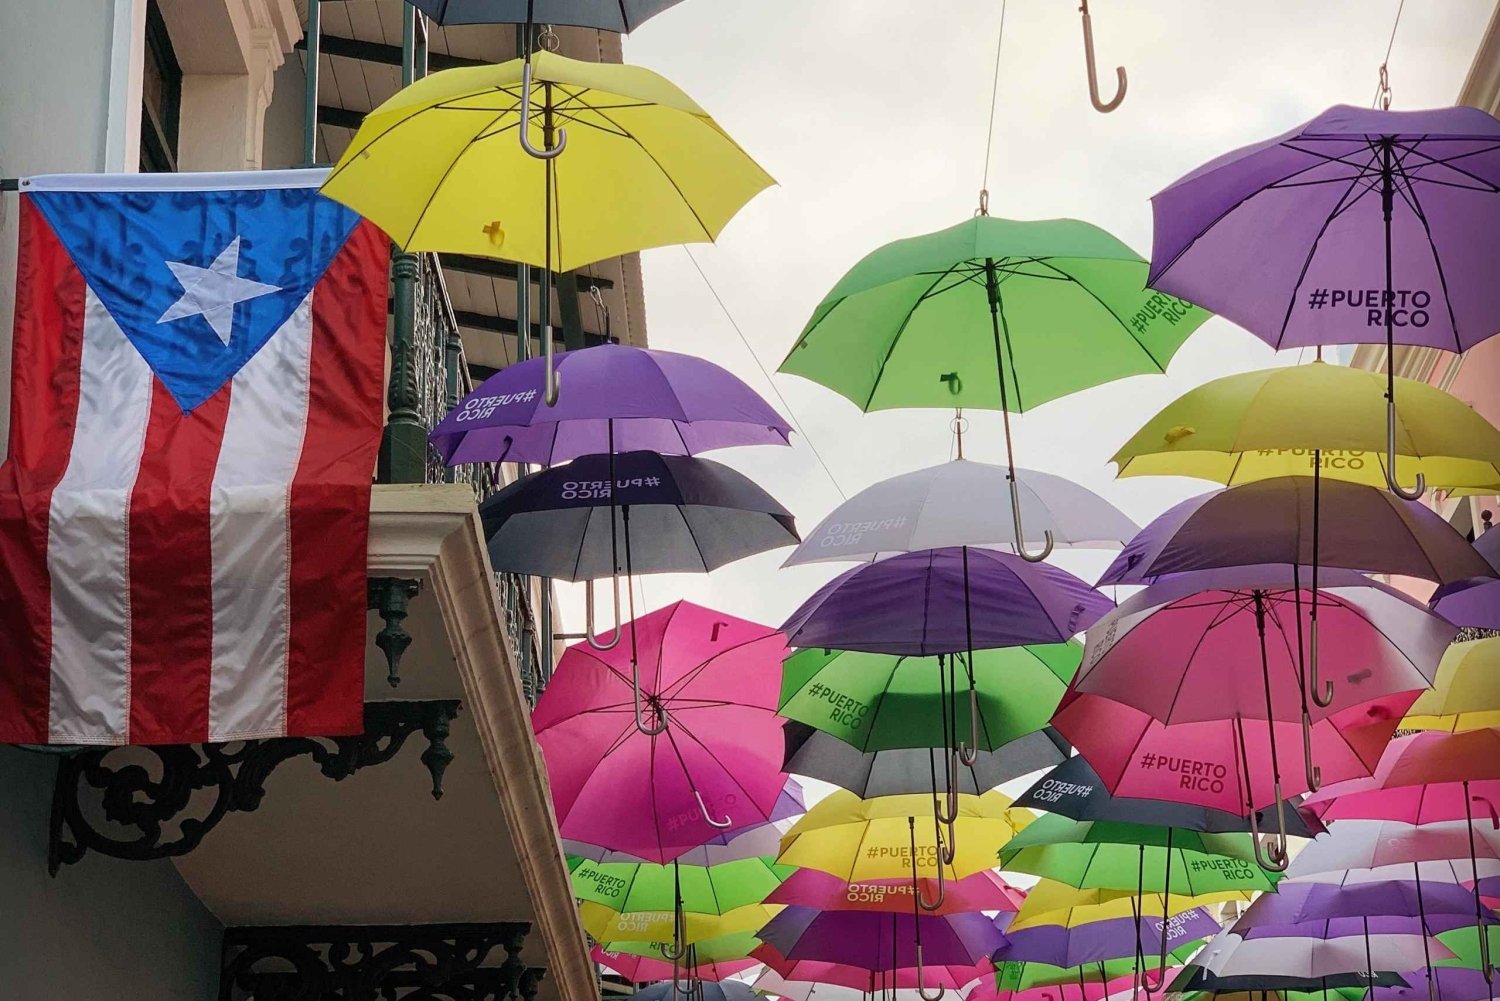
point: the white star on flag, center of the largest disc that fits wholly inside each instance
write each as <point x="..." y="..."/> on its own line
<point x="214" y="291"/>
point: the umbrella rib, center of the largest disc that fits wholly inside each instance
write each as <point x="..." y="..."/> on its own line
<point x="1312" y="251"/>
<point x="688" y="676"/>
<point x="1113" y="315"/>
<point x="449" y="170"/>
<point x="664" y="173"/>
<point x="340" y="168"/>
<point x="1437" y="260"/>
<point x="1412" y="149"/>
<point x="672" y="739"/>
<point x="896" y="337"/>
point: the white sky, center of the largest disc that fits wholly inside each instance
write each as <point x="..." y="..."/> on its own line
<point x="871" y="114"/>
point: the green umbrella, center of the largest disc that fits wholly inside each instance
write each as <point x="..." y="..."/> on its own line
<point x="1021" y="975"/>
<point x="991" y="314"/>
<point x="630" y="886"/>
<point x="1136" y="857"/>
<point x="882" y="702"/>
<point x="720" y="949"/>
<point x="1464" y="944"/>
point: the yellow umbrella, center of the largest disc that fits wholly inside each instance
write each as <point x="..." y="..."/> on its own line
<point x="1052" y="902"/>
<point x="1466" y="692"/>
<point x="607" y="925"/>
<point x="894" y="837"/>
<point x="1270" y="422"/>
<point x="623" y="160"/>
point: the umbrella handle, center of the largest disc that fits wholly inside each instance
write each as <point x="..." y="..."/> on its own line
<point x="1272" y="854"/>
<point x="1390" y="458"/>
<point x="1088" y="55"/>
<point x="1494" y="814"/>
<point x="1322" y="694"/>
<point x="1314" y="773"/>
<point x="595" y="640"/>
<point x="660" y="726"/>
<point x="963" y="754"/>
<point x="720" y="825"/>
<point x="545" y="153"/>
<point x="922" y="991"/>
<point x="916" y="886"/>
<point x="1015" y="514"/>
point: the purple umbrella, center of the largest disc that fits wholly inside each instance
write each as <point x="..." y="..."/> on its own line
<point x="1100" y="941"/>
<point x="620" y="399"/>
<point x="1295" y="902"/>
<point x="871" y="940"/>
<point x="1450" y="983"/>
<point x="1474" y="602"/>
<point x="1360" y="226"/>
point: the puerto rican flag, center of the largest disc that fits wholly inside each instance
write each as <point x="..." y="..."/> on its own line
<point x="184" y="510"/>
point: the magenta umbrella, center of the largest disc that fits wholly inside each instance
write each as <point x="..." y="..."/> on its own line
<point x="710" y="683"/>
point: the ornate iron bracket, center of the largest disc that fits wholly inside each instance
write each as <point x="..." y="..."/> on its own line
<point x="389" y="596"/>
<point x="150" y="800"/>
<point x="453" y="962"/>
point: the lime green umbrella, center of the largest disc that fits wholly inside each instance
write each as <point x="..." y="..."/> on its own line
<point x="718" y="889"/>
<point x="1021" y="975"/>
<point x="991" y="314"/>
<point x="718" y="949"/>
<point x="1114" y="856"/>
<point x="881" y="702"/>
<point x="1465" y="946"/>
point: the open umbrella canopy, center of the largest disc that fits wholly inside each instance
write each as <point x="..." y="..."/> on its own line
<point x="1073" y="789"/>
<point x="862" y="978"/>
<point x="914" y="604"/>
<point x="1254" y="425"/>
<point x="1072" y="982"/>
<point x="624" y="886"/>
<point x="1096" y="854"/>
<point x="1053" y="902"/>
<point x="439" y="168"/>
<point x="1324" y="994"/>
<point x="1426" y="777"/>
<point x="900" y="771"/>
<point x="739" y="842"/>
<point x="708" y="681"/>
<point x="605" y="924"/>
<point x="1475" y="602"/>
<point x="886" y="701"/>
<point x="1089" y="990"/>
<point x="910" y="325"/>
<point x="983" y="891"/>
<point x="881" y="941"/>
<point x="1233" y="961"/>
<point x="1195" y="981"/>
<point x="1465" y="695"/>
<point x="1464" y="944"/>
<point x="936" y="507"/>
<point x="670" y="513"/>
<point x="725" y="951"/>
<point x="606" y="15"/>
<point x="859" y="840"/>
<point x="1368" y="844"/>
<point x="771" y="984"/>
<point x="729" y="990"/>
<point x="642" y="969"/>
<point x="620" y="398"/>
<point x="1271" y="522"/>
<point x="1297" y="901"/>
<point x="1451" y="983"/>
<point x="1079" y="943"/>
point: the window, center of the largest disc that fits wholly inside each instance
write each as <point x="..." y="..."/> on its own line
<point x="161" y="97"/>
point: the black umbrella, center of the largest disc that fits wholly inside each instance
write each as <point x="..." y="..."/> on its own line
<point x="1196" y="978"/>
<point x="609" y="15"/>
<point x="903" y="771"/>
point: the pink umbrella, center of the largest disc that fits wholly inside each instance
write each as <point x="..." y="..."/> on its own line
<point x="948" y="977"/>
<point x="1220" y="648"/>
<point x="1089" y="990"/>
<point x="644" y="969"/>
<point x="983" y="891"/>
<point x="711" y="761"/>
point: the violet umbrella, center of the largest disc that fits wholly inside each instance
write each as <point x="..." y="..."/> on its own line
<point x="1113" y="938"/>
<point x="1475" y="602"/>
<point x="772" y="984"/>
<point x="1360" y="226"/>
<point x="873" y="981"/>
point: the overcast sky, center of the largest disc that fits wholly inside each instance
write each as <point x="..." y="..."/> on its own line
<point x="871" y="114"/>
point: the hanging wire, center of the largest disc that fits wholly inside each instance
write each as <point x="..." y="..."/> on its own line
<point x="989" y="133"/>
<point x="1382" y="97"/>
<point x="767" y="375"/>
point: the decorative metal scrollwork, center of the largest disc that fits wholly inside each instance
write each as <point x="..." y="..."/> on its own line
<point x="146" y="793"/>
<point x="454" y="962"/>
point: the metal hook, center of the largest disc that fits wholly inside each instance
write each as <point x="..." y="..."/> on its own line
<point x="722" y="825"/>
<point x="1088" y="55"/>
<point x="963" y="753"/>
<point x="545" y="153"/>
<point x="588" y="616"/>
<point x="1314" y="773"/>
<point x="1015" y="512"/>
<point x="1390" y="458"/>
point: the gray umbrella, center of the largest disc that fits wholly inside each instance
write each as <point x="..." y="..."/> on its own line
<point x="897" y="772"/>
<point x="672" y="514"/>
<point x="609" y="15"/>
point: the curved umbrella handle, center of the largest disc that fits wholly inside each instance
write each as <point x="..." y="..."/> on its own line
<point x="916" y="886"/>
<point x="545" y="153"/>
<point x="588" y="616"/>
<point x="640" y="723"/>
<point x="1322" y="694"/>
<point x="1494" y="814"/>
<point x="1088" y="55"/>
<point x="964" y="754"/>
<point x="922" y="991"/>
<point x="1015" y="514"/>
<point x="720" y="825"/>
<point x="1272" y="854"/>
<point x="1390" y="458"/>
<point x="1314" y="773"/>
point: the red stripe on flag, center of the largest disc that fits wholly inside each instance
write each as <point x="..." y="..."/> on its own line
<point x="171" y="570"/>
<point x="330" y="495"/>
<point x="48" y="347"/>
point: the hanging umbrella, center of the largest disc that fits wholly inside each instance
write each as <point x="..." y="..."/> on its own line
<point x="1465" y="695"/>
<point x="729" y="990"/>
<point x="1073" y="789"/>
<point x="1219" y="651"/>
<point x="623" y="399"/>
<point x="986" y="890"/>
<point x="900" y="771"/>
<point x="641" y="969"/>
<point x="1363" y="226"/>
<point x="1091" y="989"/>
<point x="604" y="924"/>
<point x="990" y="314"/>
<point x="1450" y="983"/>
<point x="437" y="167"/>
<point x="743" y="842"/>
<point x="1078" y="943"/>
<point x="724" y="952"/>
<point x="1231" y="961"/>
<point x="881" y="941"/>
<point x="1297" y="901"/>
<point x="717" y="889"/>
<point x="862" y="979"/>
<point x="935" y="507"/>
<point x="709" y="762"/>
<point x="1068" y="983"/>
<point x="606" y="15"/>
<point x="1052" y="902"/>
<point x="1321" y="994"/>
<point x="1369" y="844"/>
<point x="1474" y="603"/>
<point x="914" y="604"/>
<point x="771" y="984"/>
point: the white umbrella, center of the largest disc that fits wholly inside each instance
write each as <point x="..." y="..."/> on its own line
<point x="963" y="503"/>
<point x="771" y="982"/>
<point x="1366" y="844"/>
<point x="1228" y="955"/>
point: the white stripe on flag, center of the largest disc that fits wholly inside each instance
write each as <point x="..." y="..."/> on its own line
<point x="88" y="538"/>
<point x="251" y="543"/>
